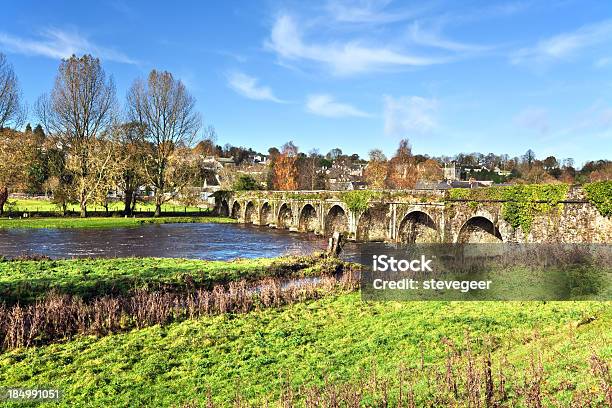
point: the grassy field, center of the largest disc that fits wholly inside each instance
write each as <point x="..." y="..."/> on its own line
<point x="29" y="280"/>
<point x="103" y="222"/>
<point x="337" y="339"/>
<point x="279" y="353"/>
<point x="34" y="205"/>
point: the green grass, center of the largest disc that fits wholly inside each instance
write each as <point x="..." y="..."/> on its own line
<point x="34" y="205"/>
<point x="28" y="280"/>
<point x="337" y="336"/>
<point x="103" y="222"/>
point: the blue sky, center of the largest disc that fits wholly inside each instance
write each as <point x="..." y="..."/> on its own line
<point x="451" y="76"/>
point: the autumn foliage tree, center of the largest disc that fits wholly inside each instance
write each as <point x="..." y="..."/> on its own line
<point x="402" y="171"/>
<point x="285" y="168"/>
<point x="430" y="170"/>
<point x="375" y="173"/>
<point x="13" y="172"/>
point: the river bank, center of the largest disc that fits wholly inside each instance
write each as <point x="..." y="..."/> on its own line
<point x="28" y="280"/>
<point x="104" y="222"/>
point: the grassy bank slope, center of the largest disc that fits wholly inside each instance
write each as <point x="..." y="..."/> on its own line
<point x="87" y="278"/>
<point x="103" y="222"/>
<point x="338" y="337"/>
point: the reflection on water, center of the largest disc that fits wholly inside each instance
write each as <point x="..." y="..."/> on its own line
<point x="197" y="241"/>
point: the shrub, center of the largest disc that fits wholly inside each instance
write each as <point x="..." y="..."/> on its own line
<point x="245" y="182"/>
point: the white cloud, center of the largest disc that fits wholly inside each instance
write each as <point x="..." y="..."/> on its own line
<point x="325" y="105"/>
<point x="343" y="58"/>
<point x="409" y="114"/>
<point x="565" y="45"/>
<point x="247" y="86"/>
<point x="367" y="12"/>
<point x="434" y="39"/>
<point x="56" y="43"/>
<point x="534" y="119"/>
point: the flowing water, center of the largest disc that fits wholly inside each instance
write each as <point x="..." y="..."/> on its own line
<point x="189" y="240"/>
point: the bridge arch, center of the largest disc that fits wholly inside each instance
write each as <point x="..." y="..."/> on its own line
<point x="224" y="209"/>
<point x="285" y="216"/>
<point x="236" y="210"/>
<point x="418" y="227"/>
<point x="265" y="214"/>
<point x="249" y="213"/>
<point x="373" y="224"/>
<point x="309" y="219"/>
<point x="479" y="229"/>
<point x="336" y="220"/>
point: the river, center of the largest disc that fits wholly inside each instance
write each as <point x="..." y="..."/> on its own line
<point x="189" y="240"/>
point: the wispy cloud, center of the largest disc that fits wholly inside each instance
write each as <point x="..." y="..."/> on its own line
<point x="597" y="117"/>
<point x="534" y="118"/>
<point x="56" y="43"/>
<point x="247" y="86"/>
<point x="565" y="45"/>
<point x="368" y="12"/>
<point x="603" y="62"/>
<point x="408" y="114"/>
<point x="344" y="58"/>
<point x="325" y="105"/>
<point x="432" y="38"/>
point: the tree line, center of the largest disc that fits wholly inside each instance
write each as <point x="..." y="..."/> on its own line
<point x="87" y="144"/>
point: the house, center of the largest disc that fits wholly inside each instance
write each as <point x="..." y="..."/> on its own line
<point x="260" y="159"/>
<point x="218" y="162"/>
<point x="344" y="175"/>
<point x="347" y="185"/>
<point x="449" y="184"/>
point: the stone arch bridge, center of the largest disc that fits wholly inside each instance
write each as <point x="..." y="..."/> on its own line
<point x="413" y="216"/>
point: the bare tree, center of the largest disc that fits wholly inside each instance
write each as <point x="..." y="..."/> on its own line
<point x="402" y="169"/>
<point x="130" y="150"/>
<point x="79" y="113"/>
<point x="166" y="110"/>
<point x="12" y="112"/>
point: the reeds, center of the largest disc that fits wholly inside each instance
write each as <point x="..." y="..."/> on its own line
<point x="458" y="381"/>
<point x="60" y="316"/>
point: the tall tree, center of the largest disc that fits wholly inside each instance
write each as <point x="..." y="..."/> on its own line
<point x="430" y="170"/>
<point x="12" y="112"/>
<point x="166" y="111"/>
<point x="375" y="173"/>
<point x="14" y="151"/>
<point x="285" y="168"/>
<point x="402" y="172"/>
<point x="310" y="177"/>
<point x="130" y="150"/>
<point x="528" y="158"/>
<point x="79" y="113"/>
